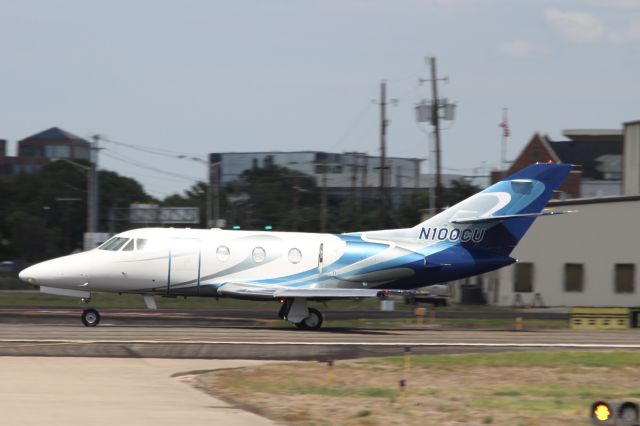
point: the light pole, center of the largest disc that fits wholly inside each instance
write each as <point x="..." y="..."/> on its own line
<point x="211" y="223"/>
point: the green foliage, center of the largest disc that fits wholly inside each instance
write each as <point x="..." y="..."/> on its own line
<point x="194" y="196"/>
<point x="285" y="199"/>
<point x="291" y="201"/>
<point x="458" y="191"/>
<point x="43" y="214"/>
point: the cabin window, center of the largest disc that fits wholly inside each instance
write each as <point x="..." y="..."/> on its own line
<point x="258" y="254"/>
<point x="141" y="243"/>
<point x="295" y="255"/>
<point x="625" y="277"/>
<point x="130" y="246"/>
<point x="222" y="253"/>
<point x="573" y="277"/>
<point x="523" y="278"/>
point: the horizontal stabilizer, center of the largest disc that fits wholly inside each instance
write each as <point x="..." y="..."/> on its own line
<point x="507" y="216"/>
<point x="248" y="290"/>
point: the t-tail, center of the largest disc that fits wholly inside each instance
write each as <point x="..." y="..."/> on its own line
<point x="493" y="221"/>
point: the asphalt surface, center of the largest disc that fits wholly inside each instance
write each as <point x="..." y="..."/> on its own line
<point x="237" y="317"/>
<point x="134" y="367"/>
<point x="237" y="334"/>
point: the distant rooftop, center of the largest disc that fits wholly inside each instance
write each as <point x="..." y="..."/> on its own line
<point x="55" y="133"/>
<point x="592" y="132"/>
<point x="597" y="151"/>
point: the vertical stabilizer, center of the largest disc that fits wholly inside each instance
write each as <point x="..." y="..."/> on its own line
<point x="479" y="222"/>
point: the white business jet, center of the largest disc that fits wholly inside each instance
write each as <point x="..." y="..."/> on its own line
<point x="475" y="236"/>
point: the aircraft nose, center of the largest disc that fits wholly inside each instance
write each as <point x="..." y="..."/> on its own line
<point x="63" y="271"/>
<point x="29" y="274"/>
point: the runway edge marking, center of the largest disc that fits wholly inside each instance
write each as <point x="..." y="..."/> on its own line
<point x="288" y="343"/>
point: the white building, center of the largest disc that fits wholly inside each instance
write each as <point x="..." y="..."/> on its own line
<point x="587" y="258"/>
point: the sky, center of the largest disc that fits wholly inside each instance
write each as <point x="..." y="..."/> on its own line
<point x="192" y="77"/>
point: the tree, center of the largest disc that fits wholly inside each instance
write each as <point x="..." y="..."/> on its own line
<point x="194" y="196"/>
<point x="458" y="191"/>
<point x="43" y="214"/>
<point x="276" y="196"/>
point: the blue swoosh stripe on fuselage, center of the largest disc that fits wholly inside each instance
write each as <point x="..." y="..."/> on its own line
<point x="402" y="261"/>
<point x="355" y="251"/>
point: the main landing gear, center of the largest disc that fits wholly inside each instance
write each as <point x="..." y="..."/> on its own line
<point x="296" y="312"/>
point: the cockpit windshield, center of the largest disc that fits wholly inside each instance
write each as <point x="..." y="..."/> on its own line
<point x="114" y="244"/>
<point x="124" y="244"/>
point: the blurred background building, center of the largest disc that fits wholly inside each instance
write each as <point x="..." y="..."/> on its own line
<point x="41" y="148"/>
<point x="586" y="258"/>
<point x="343" y="174"/>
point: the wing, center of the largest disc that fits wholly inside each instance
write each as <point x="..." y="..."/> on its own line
<point x="258" y="291"/>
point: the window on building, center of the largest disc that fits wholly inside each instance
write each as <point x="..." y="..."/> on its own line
<point x="573" y="277"/>
<point x="82" y="153"/>
<point x="56" y="151"/>
<point x="523" y="278"/>
<point x="625" y="277"/>
<point x="28" y="151"/>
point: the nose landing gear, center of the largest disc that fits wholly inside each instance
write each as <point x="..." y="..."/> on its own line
<point x="90" y="317"/>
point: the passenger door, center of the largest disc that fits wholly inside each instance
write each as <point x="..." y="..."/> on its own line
<point x="185" y="257"/>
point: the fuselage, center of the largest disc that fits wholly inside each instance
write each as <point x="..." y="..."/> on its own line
<point x="195" y="262"/>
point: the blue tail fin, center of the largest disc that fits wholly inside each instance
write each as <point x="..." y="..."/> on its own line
<point x="495" y="219"/>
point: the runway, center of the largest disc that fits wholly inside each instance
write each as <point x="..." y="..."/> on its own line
<point x="271" y="343"/>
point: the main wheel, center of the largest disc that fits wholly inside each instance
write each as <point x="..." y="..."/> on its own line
<point x="312" y="322"/>
<point x="90" y="317"/>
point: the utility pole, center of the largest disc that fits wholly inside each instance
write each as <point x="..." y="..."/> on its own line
<point x="364" y="183"/>
<point x="323" y="199"/>
<point x="383" y="141"/>
<point x="355" y="199"/>
<point x="215" y="161"/>
<point x="431" y="113"/>
<point x="93" y="186"/>
<point x="296" y="190"/>
<point x="503" y="146"/>
<point x="435" y="120"/>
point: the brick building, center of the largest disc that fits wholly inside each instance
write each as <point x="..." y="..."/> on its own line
<point x="597" y="153"/>
<point x="41" y="148"/>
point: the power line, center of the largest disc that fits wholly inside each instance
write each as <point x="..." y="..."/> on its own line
<point x="147" y="167"/>
<point x="156" y="151"/>
<point x="353" y="125"/>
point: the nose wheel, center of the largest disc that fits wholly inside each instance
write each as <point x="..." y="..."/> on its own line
<point x="90" y="317"/>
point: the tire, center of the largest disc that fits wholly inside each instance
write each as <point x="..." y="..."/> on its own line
<point x="312" y="322"/>
<point x="90" y="317"/>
